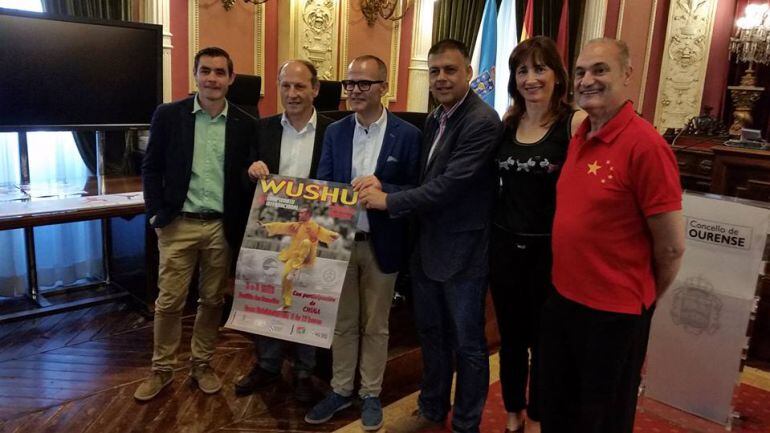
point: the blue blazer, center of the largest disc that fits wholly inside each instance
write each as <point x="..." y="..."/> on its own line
<point x="457" y="188"/>
<point x="397" y="169"/>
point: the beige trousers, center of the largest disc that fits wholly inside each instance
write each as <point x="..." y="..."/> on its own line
<point x="183" y="244"/>
<point x="362" y="321"/>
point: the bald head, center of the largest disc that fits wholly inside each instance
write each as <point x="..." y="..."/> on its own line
<point x="619" y="47"/>
<point x="366" y="84"/>
<point x="602" y="74"/>
<point x="372" y="62"/>
<point x="298" y="86"/>
<point x="296" y="66"/>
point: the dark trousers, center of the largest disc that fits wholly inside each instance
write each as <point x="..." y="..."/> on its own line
<point x="449" y="317"/>
<point x="591" y="363"/>
<point x="270" y="352"/>
<point x="520" y="280"/>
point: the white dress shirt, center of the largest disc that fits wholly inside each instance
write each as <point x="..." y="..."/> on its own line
<point x="367" y="144"/>
<point x="296" y="148"/>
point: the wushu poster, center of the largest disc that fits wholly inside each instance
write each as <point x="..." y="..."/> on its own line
<point x="293" y="259"/>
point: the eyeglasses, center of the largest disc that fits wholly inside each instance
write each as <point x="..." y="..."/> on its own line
<point x="363" y="85"/>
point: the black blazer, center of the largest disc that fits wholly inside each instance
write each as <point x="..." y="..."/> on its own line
<point x="455" y="197"/>
<point x="167" y="165"/>
<point x="270" y="133"/>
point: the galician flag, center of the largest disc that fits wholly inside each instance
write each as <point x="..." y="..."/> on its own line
<point x="506" y="42"/>
<point x="484" y="53"/>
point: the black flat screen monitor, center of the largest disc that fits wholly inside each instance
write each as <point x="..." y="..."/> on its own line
<point x="61" y="72"/>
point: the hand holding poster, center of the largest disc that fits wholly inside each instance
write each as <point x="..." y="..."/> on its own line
<point x="293" y="259"/>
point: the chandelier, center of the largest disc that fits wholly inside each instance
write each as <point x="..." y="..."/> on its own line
<point x="385" y="9"/>
<point x="751" y="43"/>
<point x="228" y="4"/>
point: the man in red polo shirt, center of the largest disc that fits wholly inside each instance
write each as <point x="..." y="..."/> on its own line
<point x="618" y="239"/>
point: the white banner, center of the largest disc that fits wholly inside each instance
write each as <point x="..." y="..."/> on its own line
<point x="699" y="329"/>
<point x="293" y="260"/>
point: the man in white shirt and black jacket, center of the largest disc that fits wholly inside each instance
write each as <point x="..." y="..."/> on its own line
<point x="290" y="145"/>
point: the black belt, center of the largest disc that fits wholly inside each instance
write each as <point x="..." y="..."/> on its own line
<point x="362" y="236"/>
<point x="203" y="216"/>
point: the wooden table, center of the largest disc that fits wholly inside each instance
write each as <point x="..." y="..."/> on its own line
<point x="93" y="187"/>
<point x="51" y="208"/>
<point x="696" y="161"/>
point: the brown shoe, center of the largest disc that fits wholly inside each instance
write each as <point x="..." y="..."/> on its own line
<point x="206" y="378"/>
<point x="414" y="423"/>
<point x="153" y="385"/>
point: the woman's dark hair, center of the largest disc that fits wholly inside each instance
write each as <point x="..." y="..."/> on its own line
<point x="540" y="50"/>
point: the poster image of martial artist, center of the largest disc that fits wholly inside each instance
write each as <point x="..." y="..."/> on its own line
<point x="293" y="259"/>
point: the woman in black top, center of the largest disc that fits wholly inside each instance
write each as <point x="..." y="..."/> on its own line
<point x="538" y="127"/>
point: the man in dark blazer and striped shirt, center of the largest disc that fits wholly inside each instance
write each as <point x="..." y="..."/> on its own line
<point x="452" y="205"/>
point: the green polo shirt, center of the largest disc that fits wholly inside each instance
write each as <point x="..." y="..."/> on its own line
<point x="207" y="183"/>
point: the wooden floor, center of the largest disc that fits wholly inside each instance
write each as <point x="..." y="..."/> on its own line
<point x="77" y="372"/>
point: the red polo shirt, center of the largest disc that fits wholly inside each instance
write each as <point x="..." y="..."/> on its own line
<point x="609" y="185"/>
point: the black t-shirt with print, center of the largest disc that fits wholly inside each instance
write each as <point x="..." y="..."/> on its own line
<point x="528" y="173"/>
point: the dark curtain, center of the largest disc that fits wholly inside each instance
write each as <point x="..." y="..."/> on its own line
<point x="103" y="9"/>
<point x="118" y="158"/>
<point x="86" y="140"/>
<point x="546" y="21"/>
<point x="460" y="19"/>
<point x="86" y="144"/>
<point x="457" y="19"/>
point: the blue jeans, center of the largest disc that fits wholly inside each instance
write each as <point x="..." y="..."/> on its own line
<point x="450" y="323"/>
<point x="270" y="355"/>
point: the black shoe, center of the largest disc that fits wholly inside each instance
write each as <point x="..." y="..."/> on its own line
<point x="303" y="390"/>
<point x="256" y="379"/>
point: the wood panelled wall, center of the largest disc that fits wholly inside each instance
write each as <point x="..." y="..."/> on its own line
<point x="643" y="25"/>
<point x="200" y="23"/>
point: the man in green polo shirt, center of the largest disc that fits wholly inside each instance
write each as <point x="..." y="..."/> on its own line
<point x="196" y="191"/>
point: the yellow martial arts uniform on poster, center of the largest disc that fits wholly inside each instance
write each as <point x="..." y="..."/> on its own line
<point x="301" y="252"/>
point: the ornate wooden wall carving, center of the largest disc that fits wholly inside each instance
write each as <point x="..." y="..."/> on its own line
<point x="685" y="59"/>
<point x="318" y="35"/>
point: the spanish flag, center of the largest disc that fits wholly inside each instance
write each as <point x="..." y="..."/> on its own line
<point x="562" y="40"/>
<point x="527" y="28"/>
